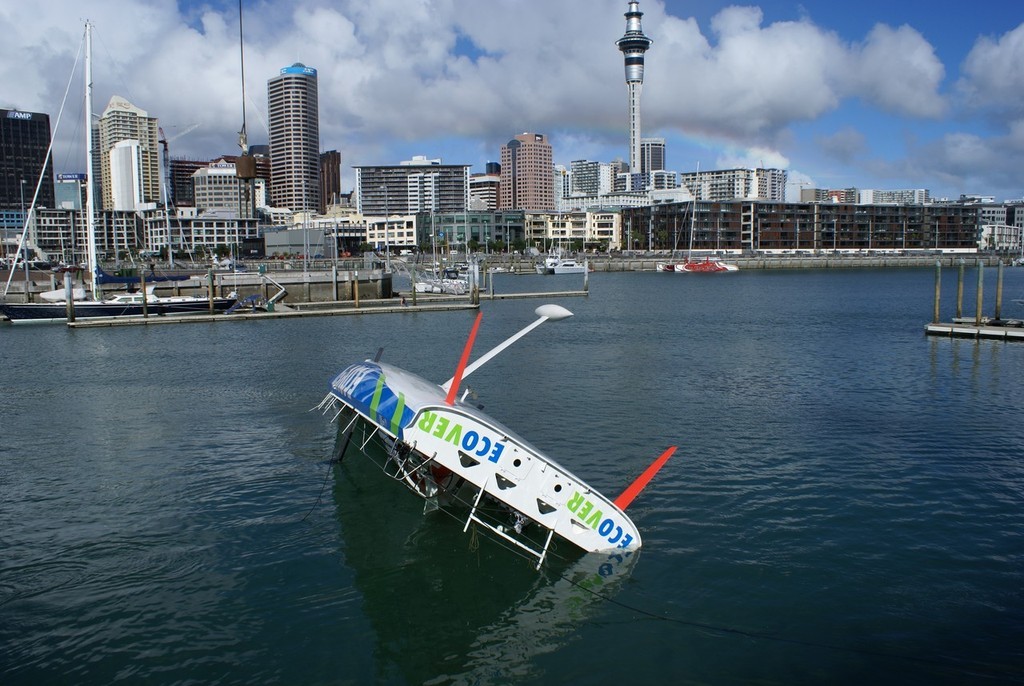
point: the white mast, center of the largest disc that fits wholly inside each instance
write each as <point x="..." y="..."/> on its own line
<point x="89" y="189"/>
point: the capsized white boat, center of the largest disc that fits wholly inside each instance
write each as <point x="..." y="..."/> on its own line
<point x="455" y="456"/>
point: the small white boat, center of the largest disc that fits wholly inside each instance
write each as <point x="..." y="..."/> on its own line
<point x="557" y="263"/>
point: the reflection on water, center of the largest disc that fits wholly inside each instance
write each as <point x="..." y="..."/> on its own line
<point x="453" y="607"/>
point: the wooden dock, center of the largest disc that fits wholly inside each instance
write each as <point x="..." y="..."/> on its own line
<point x="425" y="303"/>
<point x="1010" y="332"/>
<point x="278" y="313"/>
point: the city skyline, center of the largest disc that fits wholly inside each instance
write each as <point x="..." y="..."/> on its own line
<point x="912" y="95"/>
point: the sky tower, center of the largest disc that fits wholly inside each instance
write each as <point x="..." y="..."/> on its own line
<point x="633" y="46"/>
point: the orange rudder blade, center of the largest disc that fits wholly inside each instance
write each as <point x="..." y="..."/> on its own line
<point x="633" y="490"/>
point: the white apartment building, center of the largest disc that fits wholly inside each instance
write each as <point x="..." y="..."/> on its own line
<point x="217" y="187"/>
<point x="730" y="184"/>
<point x="914" y="196"/>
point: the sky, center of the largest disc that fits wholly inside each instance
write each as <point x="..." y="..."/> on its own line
<point x="877" y="94"/>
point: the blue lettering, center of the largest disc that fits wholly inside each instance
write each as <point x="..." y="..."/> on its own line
<point x="470" y="440"/>
<point x="499" y="448"/>
<point x="606" y="528"/>
<point x="485" y="446"/>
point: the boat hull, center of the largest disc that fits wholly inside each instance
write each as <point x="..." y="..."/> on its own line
<point x="437" y="449"/>
<point x="57" y="312"/>
<point x="708" y="266"/>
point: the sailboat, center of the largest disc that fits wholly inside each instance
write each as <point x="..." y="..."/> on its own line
<point x="709" y="265"/>
<point x="455" y="457"/>
<point x="56" y="309"/>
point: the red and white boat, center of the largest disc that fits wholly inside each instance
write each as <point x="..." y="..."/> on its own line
<point x="706" y="266"/>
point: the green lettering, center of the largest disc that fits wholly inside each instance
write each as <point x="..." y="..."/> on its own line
<point x="575" y="501"/>
<point x="585" y="510"/>
<point x="595" y="519"/>
<point x="442" y="424"/>
<point x="427" y="421"/>
<point x="455" y="435"/>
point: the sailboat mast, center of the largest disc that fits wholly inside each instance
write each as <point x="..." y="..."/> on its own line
<point x="90" y="200"/>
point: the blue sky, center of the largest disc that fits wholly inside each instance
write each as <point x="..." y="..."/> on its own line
<point x="907" y="94"/>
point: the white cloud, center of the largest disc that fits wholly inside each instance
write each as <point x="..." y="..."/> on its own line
<point x="993" y="77"/>
<point x="897" y="70"/>
<point x="397" y="72"/>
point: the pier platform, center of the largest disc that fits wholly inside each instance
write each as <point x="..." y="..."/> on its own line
<point x="425" y="303"/>
<point x="279" y="313"/>
<point x="1006" y="332"/>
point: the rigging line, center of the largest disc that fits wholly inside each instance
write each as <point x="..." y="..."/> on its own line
<point x="964" y="668"/>
<point x="336" y="459"/>
<point x="42" y="170"/>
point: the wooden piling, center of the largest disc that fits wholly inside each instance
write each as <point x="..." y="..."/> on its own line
<point x="999" y="291"/>
<point x="978" y="299"/>
<point x="938" y="284"/>
<point x="69" y="296"/>
<point x="960" y="290"/>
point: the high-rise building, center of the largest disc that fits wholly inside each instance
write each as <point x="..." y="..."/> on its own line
<point x="483" y="188"/>
<point x="527" y="176"/>
<point x="182" y="192"/>
<point x="292" y="101"/>
<point x="330" y="179"/>
<point x="591" y="178"/>
<point x="24" y="140"/>
<point x="652" y="155"/>
<point x="633" y="46"/>
<point x="217" y="187"/>
<point x="138" y="164"/>
<point x="417" y="185"/>
<point x="729" y="184"/>
<point x="125" y="175"/>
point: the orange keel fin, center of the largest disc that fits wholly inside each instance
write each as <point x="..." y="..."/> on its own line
<point x="453" y="391"/>
<point x="633" y="490"/>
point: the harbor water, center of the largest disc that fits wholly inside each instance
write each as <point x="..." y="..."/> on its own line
<point x="846" y="504"/>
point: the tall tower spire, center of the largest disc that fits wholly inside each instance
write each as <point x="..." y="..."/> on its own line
<point x="633" y="46"/>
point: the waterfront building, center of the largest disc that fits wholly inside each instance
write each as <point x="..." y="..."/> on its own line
<point x="765" y="227"/>
<point x="527" y="180"/>
<point x="211" y="233"/>
<point x="475" y="230"/>
<point x="294" y="122"/>
<point x="633" y="45"/>
<point x="1002" y="238"/>
<point x="415" y="185"/>
<point x="24" y="141"/>
<point x="127" y="153"/>
<point x="61" y="234"/>
<point x="585" y="229"/>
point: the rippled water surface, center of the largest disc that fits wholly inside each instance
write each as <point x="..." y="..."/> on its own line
<point x="846" y="504"/>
